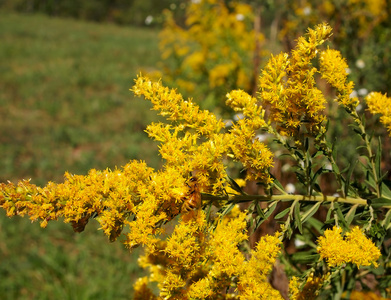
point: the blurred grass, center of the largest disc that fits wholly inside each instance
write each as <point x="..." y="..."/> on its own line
<point x="56" y="263"/>
<point x="65" y="105"/>
<point x="65" y="99"/>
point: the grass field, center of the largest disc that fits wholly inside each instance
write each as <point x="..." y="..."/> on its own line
<point x="65" y="105"/>
<point x="65" y="99"/>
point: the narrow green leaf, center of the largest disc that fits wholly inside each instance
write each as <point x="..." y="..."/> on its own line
<point x="271" y="209"/>
<point x="315" y="224"/>
<point x="378" y="159"/>
<point x="318" y="172"/>
<point x="299" y="154"/>
<point x="228" y="209"/>
<point x="277" y="183"/>
<point x="382" y="177"/>
<point x="282" y="213"/>
<point x="259" y="210"/>
<point x="309" y="213"/>
<point x="335" y="168"/>
<point x="251" y="223"/>
<point x="235" y="186"/>
<point x="329" y="212"/>
<point x="341" y="217"/>
<point x="208" y="211"/>
<point x="351" y="214"/>
<point x="305" y="257"/>
<point x="317" y="153"/>
<point x="348" y="176"/>
<point x="296" y="215"/>
<point x="308" y="158"/>
<point x="386" y="192"/>
<point x="380" y="202"/>
<point x="370" y="180"/>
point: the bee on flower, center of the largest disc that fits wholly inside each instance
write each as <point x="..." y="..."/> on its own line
<point x="193" y="198"/>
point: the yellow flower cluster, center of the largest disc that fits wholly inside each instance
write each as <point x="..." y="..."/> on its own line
<point x="294" y="288"/>
<point x="254" y="155"/>
<point x="253" y="282"/>
<point x="197" y="139"/>
<point x="135" y="200"/>
<point x="380" y="104"/>
<point x="219" y="59"/>
<point x="355" y="248"/>
<point x="375" y="13"/>
<point x="333" y="68"/>
<point x="361" y="17"/>
<point x="193" y="264"/>
<point x="134" y="196"/>
<point x="288" y="85"/>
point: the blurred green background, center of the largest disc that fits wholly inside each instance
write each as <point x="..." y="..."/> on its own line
<point x="65" y="105"/>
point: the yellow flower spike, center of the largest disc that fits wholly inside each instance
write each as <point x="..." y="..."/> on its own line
<point x="184" y="244"/>
<point x="364" y="251"/>
<point x="333" y="68"/>
<point x="113" y="198"/>
<point x="172" y="106"/>
<point x="224" y="245"/>
<point x="172" y="286"/>
<point x="253" y="282"/>
<point x="182" y="144"/>
<point x="355" y="248"/>
<point x="201" y="289"/>
<point x="294" y="288"/>
<point x="380" y="104"/>
<point x="287" y="84"/>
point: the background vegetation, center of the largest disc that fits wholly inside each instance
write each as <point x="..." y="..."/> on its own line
<point x="129" y="12"/>
<point x="65" y="91"/>
<point x="65" y="105"/>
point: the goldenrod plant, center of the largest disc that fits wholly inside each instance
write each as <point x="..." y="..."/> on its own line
<point x="214" y="51"/>
<point x="364" y="23"/>
<point x="187" y="215"/>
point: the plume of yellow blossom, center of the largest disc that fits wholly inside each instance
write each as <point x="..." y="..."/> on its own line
<point x="253" y="283"/>
<point x="253" y="154"/>
<point x="333" y="68"/>
<point x="288" y="86"/>
<point x="223" y="246"/>
<point x="380" y="104"/>
<point x="355" y="248"/>
<point x="294" y="288"/>
<point x="196" y="139"/>
<point x="196" y="264"/>
<point x="134" y="196"/>
<point x="211" y="62"/>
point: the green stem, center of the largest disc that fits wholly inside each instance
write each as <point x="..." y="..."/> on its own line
<point x="329" y="155"/>
<point x="369" y="149"/>
<point x="285" y="197"/>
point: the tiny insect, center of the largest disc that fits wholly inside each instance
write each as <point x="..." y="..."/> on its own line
<point x="193" y="197"/>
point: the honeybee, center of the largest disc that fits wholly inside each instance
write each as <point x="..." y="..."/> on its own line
<point x="193" y="197"/>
